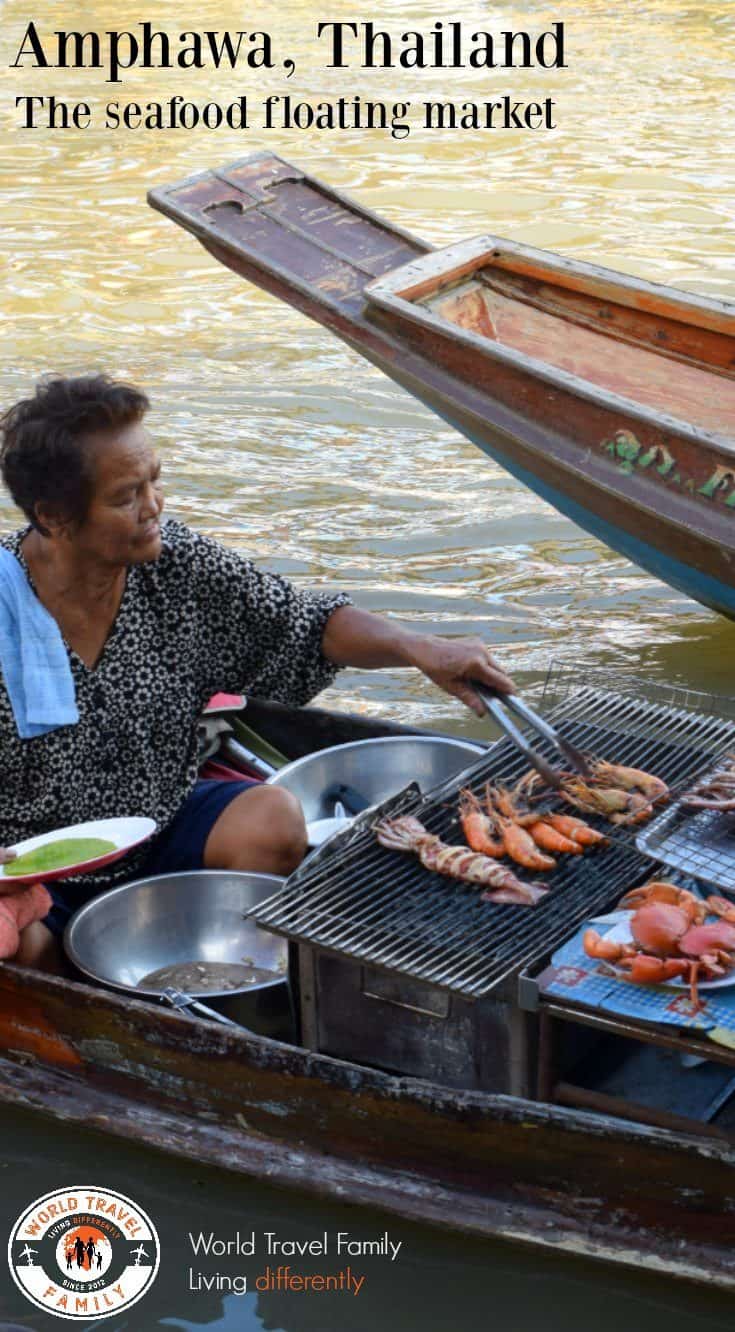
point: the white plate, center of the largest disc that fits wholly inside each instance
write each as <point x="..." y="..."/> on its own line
<point x="125" y="833"/>
<point x="320" y="829"/>
<point x="620" y="933"/>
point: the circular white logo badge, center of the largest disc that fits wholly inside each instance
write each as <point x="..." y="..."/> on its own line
<point x="83" y="1252"/>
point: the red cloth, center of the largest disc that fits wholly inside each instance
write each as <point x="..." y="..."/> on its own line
<point x="222" y="772"/>
<point x="225" y="703"/>
<point x="18" y="909"/>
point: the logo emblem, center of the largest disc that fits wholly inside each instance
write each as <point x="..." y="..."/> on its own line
<point x="83" y="1252"/>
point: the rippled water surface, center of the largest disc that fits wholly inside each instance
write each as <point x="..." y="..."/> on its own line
<point x="284" y="443"/>
<point x="437" y="1282"/>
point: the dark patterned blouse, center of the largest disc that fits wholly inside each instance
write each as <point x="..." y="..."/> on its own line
<point x="199" y="619"/>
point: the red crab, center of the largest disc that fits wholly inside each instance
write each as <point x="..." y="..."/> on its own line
<point x="671" y="938"/>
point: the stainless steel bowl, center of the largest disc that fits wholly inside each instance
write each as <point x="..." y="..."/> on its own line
<point x="124" y="934"/>
<point x="376" y="769"/>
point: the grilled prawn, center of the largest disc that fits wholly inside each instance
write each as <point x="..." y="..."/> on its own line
<point x="478" y="827"/>
<point x="558" y="833"/>
<point x="629" y="779"/>
<point x="550" y="838"/>
<point x="518" y="843"/>
<point x="576" y="829"/>
<point x="457" y="862"/>
<point x="714" y="792"/>
<point x="622" y="795"/>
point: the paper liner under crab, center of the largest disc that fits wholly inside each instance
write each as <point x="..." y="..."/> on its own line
<point x="669" y="936"/>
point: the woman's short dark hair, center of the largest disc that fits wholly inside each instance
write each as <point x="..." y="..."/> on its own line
<point x="42" y="441"/>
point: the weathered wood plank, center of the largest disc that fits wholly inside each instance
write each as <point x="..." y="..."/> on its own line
<point x="533" y="1221"/>
<point x="493" y="1165"/>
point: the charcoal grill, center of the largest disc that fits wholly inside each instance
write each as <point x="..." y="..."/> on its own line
<point x="377" y="933"/>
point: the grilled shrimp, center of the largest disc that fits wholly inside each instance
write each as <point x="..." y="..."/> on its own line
<point x="630" y="779"/>
<point x="478" y="827"/>
<point x="605" y="800"/>
<point x="457" y="862"/>
<point x="550" y="838"/>
<point x="577" y="829"/>
<point x="520" y="846"/>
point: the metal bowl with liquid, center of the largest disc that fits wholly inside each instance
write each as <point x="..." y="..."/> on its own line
<point x="173" y="920"/>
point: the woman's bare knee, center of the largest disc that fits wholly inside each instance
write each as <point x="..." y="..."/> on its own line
<point x="262" y="829"/>
<point x="40" y="949"/>
<point x="288" y="834"/>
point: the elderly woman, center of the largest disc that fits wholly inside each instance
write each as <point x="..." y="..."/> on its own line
<point x="155" y="619"/>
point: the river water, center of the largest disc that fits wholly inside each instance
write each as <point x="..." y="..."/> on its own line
<point x="435" y="1283"/>
<point x="282" y="442"/>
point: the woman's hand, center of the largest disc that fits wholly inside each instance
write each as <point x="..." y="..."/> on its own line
<point x="452" y="662"/>
<point x="8" y="887"/>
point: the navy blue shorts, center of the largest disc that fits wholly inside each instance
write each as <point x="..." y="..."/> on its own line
<point x="178" y="848"/>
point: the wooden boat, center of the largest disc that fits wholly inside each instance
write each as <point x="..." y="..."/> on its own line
<point x="558" y="1178"/>
<point x="612" y="398"/>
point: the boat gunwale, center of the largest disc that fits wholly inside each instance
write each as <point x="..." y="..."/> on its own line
<point x="387" y="294"/>
<point x="213" y="239"/>
<point x="379" y="293"/>
<point x="410" y="379"/>
<point x="389" y="344"/>
<point x="103" y="1092"/>
<point x="569" y="272"/>
<point x="411" y="382"/>
<point x="332" y="315"/>
<point x="336" y="1073"/>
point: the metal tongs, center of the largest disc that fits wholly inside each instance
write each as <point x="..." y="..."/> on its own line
<point x="498" y="706"/>
<point x="184" y="1003"/>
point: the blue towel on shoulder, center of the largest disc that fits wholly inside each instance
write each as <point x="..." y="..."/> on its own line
<point x="33" y="658"/>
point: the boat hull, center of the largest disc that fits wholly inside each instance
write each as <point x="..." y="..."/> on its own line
<point x="711" y="590"/>
<point x="492" y="1166"/>
<point x="660" y="492"/>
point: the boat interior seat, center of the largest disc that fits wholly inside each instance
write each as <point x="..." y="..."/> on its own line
<point x="599" y="342"/>
<point x="604" y="1071"/>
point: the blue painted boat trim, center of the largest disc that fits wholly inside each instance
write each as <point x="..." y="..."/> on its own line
<point x="701" y="587"/>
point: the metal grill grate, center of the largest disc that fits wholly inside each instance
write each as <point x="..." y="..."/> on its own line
<point x="359" y="900"/>
<point x="565" y="680"/>
<point x="698" y="842"/>
<point x="701" y="844"/>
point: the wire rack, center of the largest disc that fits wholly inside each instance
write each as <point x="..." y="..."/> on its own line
<point x="360" y="900"/>
<point x="669" y="742"/>
<point x="699" y="843"/>
<point x="566" y="679"/>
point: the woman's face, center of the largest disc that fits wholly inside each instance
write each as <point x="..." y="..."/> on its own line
<point x="122" y="523"/>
